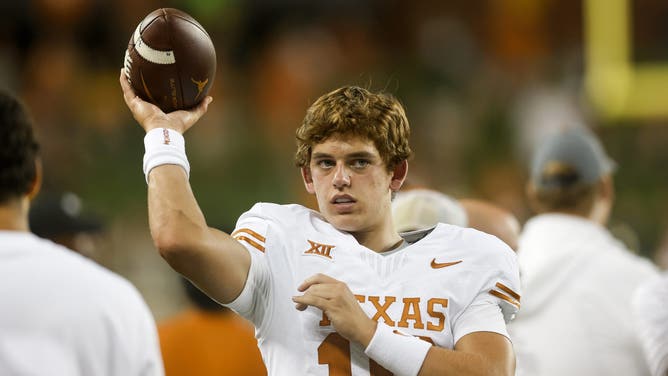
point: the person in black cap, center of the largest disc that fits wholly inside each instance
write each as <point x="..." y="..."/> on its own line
<point x="60" y="218"/>
<point x="578" y="279"/>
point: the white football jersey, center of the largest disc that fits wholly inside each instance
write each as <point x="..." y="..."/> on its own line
<point x="451" y="282"/>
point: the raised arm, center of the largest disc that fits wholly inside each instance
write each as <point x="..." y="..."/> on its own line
<point x="211" y="259"/>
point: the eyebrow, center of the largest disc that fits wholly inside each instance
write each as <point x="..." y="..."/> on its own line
<point x="359" y="154"/>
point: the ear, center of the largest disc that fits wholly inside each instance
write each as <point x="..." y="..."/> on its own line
<point x="607" y="188"/>
<point x="37" y="183"/>
<point x="530" y="191"/>
<point x="605" y="197"/>
<point x="399" y="174"/>
<point x="308" y="179"/>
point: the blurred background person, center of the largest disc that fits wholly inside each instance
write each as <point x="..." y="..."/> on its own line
<point x="651" y="317"/>
<point x="59" y="217"/>
<point x="62" y="314"/>
<point x="578" y="280"/>
<point x="492" y="219"/>
<point x="207" y="339"/>
<point x="421" y="208"/>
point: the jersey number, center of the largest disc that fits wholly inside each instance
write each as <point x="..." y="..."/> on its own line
<point x="334" y="351"/>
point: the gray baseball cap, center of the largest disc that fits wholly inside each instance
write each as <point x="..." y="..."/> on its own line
<point x="573" y="155"/>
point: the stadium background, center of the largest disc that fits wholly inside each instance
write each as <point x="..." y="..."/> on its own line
<point x="482" y="81"/>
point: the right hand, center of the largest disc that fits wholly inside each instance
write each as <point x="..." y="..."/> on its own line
<point x="336" y="300"/>
<point x="150" y="116"/>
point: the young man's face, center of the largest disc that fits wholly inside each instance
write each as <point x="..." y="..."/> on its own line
<point x="351" y="182"/>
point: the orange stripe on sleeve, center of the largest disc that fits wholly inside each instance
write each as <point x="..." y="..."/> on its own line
<point x="508" y="290"/>
<point x="505" y="297"/>
<point x="250" y="241"/>
<point x="251" y="233"/>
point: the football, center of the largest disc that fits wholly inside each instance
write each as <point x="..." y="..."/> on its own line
<point x="170" y="60"/>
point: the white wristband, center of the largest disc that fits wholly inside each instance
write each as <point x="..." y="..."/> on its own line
<point x="400" y="354"/>
<point x="164" y="146"/>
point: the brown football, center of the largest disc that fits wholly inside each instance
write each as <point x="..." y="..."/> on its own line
<point x="170" y="60"/>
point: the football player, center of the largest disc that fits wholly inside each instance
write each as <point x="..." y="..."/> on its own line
<point x="338" y="291"/>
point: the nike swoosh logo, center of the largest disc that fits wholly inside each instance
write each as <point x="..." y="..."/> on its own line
<point x="400" y="333"/>
<point x="438" y="265"/>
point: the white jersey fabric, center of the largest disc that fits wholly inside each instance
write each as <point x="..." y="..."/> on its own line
<point x="576" y="316"/>
<point x="452" y="282"/>
<point x="651" y="316"/>
<point x="62" y="314"/>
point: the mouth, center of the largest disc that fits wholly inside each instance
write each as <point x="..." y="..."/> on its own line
<point x="343" y="203"/>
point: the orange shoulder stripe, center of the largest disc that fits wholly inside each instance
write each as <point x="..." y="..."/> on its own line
<point x="505" y="297"/>
<point x="250" y="241"/>
<point x="251" y="233"/>
<point x="508" y="290"/>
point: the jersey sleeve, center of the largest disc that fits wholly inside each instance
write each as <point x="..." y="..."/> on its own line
<point x="498" y="299"/>
<point x="253" y="231"/>
<point x="480" y="317"/>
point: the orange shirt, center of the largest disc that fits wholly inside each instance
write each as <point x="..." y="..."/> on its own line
<point x="209" y="343"/>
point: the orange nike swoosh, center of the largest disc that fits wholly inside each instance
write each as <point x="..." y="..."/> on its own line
<point x="438" y="265"/>
<point x="400" y="333"/>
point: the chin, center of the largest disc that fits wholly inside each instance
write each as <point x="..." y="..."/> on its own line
<point x="348" y="223"/>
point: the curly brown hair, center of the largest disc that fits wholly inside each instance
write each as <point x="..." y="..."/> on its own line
<point x="352" y="110"/>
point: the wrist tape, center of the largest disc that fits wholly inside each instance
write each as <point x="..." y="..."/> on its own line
<point x="164" y="146"/>
<point x="400" y="354"/>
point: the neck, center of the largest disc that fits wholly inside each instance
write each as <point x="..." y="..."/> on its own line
<point x="14" y="215"/>
<point x="379" y="241"/>
<point x="600" y="213"/>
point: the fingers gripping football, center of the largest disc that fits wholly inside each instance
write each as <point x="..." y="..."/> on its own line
<point x="150" y="116"/>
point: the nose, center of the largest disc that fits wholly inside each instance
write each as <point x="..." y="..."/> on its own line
<point x="341" y="177"/>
